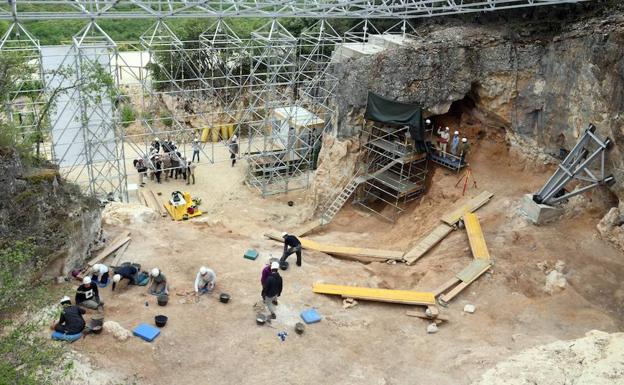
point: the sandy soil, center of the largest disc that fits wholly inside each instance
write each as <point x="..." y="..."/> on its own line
<point x="371" y="343"/>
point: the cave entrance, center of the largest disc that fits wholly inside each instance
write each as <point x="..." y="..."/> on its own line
<point x="462" y="116"/>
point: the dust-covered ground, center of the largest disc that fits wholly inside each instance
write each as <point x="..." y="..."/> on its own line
<point x="371" y="343"/>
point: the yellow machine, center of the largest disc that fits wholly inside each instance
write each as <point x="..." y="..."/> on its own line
<point x="181" y="206"/>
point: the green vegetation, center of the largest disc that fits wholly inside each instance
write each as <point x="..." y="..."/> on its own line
<point x="128" y="116"/>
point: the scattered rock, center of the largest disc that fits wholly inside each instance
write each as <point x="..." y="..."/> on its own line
<point x="469" y="308"/>
<point x="555" y="282"/>
<point x="432" y="328"/>
<point x="118" y="214"/>
<point x="116" y="330"/>
<point x="349" y="303"/>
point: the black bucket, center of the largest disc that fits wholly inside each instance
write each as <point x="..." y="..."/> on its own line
<point x="224" y="298"/>
<point x="283" y="265"/>
<point x="163" y="299"/>
<point x="160" y="320"/>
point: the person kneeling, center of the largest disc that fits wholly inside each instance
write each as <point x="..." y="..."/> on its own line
<point x="87" y="295"/>
<point x="205" y="281"/>
<point x="159" y="283"/>
<point x="71" y="321"/>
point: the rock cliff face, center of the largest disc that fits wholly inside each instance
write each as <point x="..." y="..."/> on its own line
<point x="543" y="85"/>
<point x="53" y="217"/>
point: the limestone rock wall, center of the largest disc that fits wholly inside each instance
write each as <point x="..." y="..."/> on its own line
<point x="546" y="86"/>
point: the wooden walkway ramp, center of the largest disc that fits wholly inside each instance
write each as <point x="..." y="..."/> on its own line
<point x="472" y="205"/>
<point x="406" y="297"/>
<point x="475" y="237"/>
<point x="427" y="243"/>
<point x="360" y="253"/>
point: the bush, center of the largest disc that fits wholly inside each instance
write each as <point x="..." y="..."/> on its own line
<point x="165" y="118"/>
<point x="128" y="116"/>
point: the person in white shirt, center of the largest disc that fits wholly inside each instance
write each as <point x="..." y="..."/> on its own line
<point x="99" y="274"/>
<point x="205" y="280"/>
<point x="445" y="135"/>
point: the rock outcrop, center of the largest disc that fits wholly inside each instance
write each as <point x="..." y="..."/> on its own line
<point x="544" y="84"/>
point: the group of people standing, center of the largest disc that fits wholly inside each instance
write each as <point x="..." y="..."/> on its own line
<point x="459" y="147"/>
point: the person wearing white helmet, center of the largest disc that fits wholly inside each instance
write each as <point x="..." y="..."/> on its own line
<point x="158" y="282"/>
<point x="272" y="289"/>
<point x="190" y="172"/>
<point x="233" y="147"/>
<point x="205" y="280"/>
<point x="445" y="135"/>
<point x="126" y="271"/>
<point x="455" y="143"/>
<point x="156" y="145"/>
<point x="71" y="321"/>
<point x="464" y="150"/>
<point x="291" y="245"/>
<point x="196" y="147"/>
<point x="100" y="274"/>
<point x="87" y="295"/>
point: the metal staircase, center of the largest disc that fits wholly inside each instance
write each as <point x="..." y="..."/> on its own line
<point x="340" y="200"/>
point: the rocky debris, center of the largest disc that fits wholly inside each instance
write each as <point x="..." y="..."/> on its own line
<point x="611" y="226"/>
<point x="597" y="358"/>
<point x="117" y="214"/>
<point x="348" y="303"/>
<point x="116" y="330"/>
<point x="469" y="308"/>
<point x="555" y="280"/>
<point x="432" y="328"/>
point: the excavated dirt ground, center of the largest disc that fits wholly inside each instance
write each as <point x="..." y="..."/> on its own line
<point x="372" y="343"/>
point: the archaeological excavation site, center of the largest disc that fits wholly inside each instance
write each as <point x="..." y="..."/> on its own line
<point x="293" y="192"/>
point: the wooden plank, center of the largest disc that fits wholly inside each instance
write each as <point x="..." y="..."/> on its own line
<point x="116" y="243"/>
<point x="475" y="237"/>
<point x="142" y="198"/>
<point x="427" y="243"/>
<point x="470" y="276"/>
<point x="308" y="228"/>
<point x="423" y="315"/>
<point x="472" y="205"/>
<point x="446" y="285"/>
<point x="158" y="205"/>
<point x="346" y="251"/>
<point x="120" y="254"/>
<point x="473" y="270"/>
<point x="373" y="294"/>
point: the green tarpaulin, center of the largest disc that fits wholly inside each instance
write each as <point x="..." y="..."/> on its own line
<point x="380" y="109"/>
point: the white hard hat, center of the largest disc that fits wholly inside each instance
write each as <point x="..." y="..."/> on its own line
<point x="464" y="140"/>
<point x="234" y="137"/>
<point x="203" y="270"/>
<point x="456" y="133"/>
<point x="447" y="129"/>
<point x="97" y="267"/>
<point x="86" y="280"/>
<point x="274" y="265"/>
<point x="116" y="278"/>
<point x="155" y="272"/>
<point x="156" y="139"/>
<point x="195" y="140"/>
<point x="284" y="234"/>
<point x="428" y="121"/>
<point x="65" y="299"/>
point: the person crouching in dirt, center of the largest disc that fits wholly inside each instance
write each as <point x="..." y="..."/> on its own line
<point x="87" y="295"/>
<point x="272" y="289"/>
<point x="99" y="274"/>
<point x="291" y="245"/>
<point x="126" y="271"/>
<point x="205" y="281"/>
<point x="233" y="147"/>
<point x="71" y="321"/>
<point x="158" y="283"/>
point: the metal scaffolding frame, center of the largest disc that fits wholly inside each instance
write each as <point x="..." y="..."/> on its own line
<point x="159" y="9"/>
<point x="394" y="170"/>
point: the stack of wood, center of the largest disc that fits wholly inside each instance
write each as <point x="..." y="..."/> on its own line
<point x="149" y="199"/>
<point x="431" y="314"/>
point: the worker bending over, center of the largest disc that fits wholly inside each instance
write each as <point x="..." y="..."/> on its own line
<point x="99" y="275"/>
<point x="87" y="295"/>
<point x="291" y="245"/>
<point x="158" y="283"/>
<point x="126" y="271"/>
<point x="272" y="289"/>
<point x="205" y="280"/>
<point x="70" y="321"/>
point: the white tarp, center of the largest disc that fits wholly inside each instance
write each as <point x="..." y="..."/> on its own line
<point x="68" y="134"/>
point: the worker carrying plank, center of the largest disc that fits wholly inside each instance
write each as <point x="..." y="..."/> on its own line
<point x="272" y="289"/>
<point x="291" y="245"/>
<point x="205" y="281"/>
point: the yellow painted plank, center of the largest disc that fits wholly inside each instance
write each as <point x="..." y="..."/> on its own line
<point x="475" y="237"/>
<point x="472" y="205"/>
<point x="345" y="251"/>
<point x="372" y="294"/>
<point x="427" y="243"/>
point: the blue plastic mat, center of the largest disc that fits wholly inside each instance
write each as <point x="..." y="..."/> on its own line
<point x="146" y="332"/>
<point x="58" y="336"/>
<point x="310" y="316"/>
